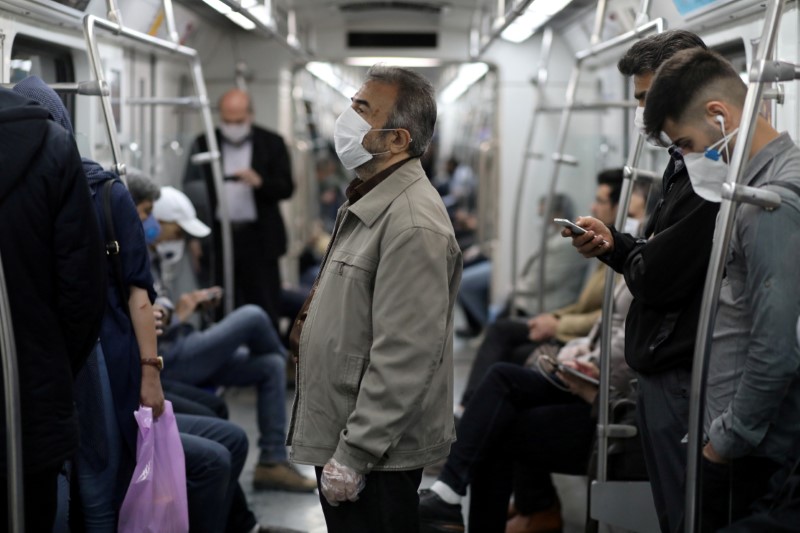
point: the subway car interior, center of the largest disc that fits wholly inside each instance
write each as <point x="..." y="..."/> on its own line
<point x="634" y="367"/>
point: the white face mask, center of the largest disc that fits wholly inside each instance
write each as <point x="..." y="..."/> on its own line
<point x="170" y="252"/>
<point x="638" y="123"/>
<point x="707" y="171"/>
<point x="235" y="133"/>
<point x="348" y="134"/>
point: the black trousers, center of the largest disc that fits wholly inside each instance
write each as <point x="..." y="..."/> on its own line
<point x="662" y="414"/>
<point x="41" y="499"/>
<point x="256" y="272"/>
<point x="506" y="341"/>
<point x="389" y="503"/>
<point x="517" y="418"/>
<point x="728" y="490"/>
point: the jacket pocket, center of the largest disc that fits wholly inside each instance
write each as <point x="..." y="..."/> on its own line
<point x="350" y="379"/>
<point x="352" y="266"/>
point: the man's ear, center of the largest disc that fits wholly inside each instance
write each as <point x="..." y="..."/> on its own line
<point x="720" y="116"/>
<point x="401" y="141"/>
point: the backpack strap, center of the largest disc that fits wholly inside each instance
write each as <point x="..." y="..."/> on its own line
<point x="112" y="246"/>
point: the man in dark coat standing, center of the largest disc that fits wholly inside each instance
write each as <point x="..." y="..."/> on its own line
<point x="55" y="272"/>
<point x="258" y="175"/>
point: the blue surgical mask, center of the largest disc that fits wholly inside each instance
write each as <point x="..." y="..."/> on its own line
<point x="152" y="229"/>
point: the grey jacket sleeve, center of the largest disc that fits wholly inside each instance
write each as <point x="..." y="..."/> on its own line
<point x="410" y="324"/>
<point x="771" y="247"/>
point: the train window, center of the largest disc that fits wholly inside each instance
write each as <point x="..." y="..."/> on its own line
<point x="49" y="61"/>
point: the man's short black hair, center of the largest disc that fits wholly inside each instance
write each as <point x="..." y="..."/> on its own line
<point x="688" y="77"/>
<point x="649" y="53"/>
<point x="612" y="178"/>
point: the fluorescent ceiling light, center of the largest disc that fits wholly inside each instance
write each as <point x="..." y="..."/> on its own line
<point x="468" y="74"/>
<point x="537" y="15"/>
<point x="326" y="73"/>
<point x="394" y="61"/>
<point x="236" y="17"/>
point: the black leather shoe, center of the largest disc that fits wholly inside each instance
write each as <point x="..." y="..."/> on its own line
<point x="467" y="333"/>
<point x="438" y="516"/>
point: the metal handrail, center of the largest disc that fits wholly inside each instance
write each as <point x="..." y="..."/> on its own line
<point x="90" y="22"/>
<point x="629" y="177"/>
<point x="541" y="81"/>
<point x="508" y="19"/>
<point x="563" y="128"/>
<point x="716" y="264"/>
<point x="8" y="352"/>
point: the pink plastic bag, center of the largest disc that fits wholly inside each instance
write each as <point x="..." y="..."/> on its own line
<point x="156" y="500"/>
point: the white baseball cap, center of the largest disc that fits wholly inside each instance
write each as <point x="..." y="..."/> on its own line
<point x="174" y="206"/>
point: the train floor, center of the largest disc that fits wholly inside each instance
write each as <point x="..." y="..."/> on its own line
<point x="303" y="512"/>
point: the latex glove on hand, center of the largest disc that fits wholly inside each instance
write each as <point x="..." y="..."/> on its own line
<point x="340" y="483"/>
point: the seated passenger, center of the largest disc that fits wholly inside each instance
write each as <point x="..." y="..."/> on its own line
<point x="753" y="395"/>
<point x="563" y="277"/>
<point x="513" y="340"/>
<point x="243" y="349"/>
<point x="524" y="416"/>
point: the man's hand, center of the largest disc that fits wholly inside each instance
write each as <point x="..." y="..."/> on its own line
<point x="542" y="327"/>
<point x="188" y="304"/>
<point x="151" y="394"/>
<point x="711" y="454"/>
<point x="576" y="385"/>
<point x="161" y="315"/>
<point x="596" y="241"/>
<point x="250" y="177"/>
<point x="340" y="483"/>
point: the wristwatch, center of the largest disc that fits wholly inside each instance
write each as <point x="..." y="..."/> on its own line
<point x="157" y="362"/>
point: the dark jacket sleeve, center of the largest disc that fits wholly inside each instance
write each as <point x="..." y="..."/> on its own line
<point x="80" y="259"/>
<point x="275" y="171"/>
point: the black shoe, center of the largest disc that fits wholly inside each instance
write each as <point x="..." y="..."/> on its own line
<point x="467" y="333"/>
<point x="438" y="516"/>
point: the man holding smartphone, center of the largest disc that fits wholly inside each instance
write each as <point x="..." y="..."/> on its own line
<point x="665" y="272"/>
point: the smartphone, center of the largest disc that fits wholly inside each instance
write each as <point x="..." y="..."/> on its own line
<point x="578" y="374"/>
<point x="576" y="229"/>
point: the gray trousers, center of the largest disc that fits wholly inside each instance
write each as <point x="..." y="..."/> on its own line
<point x="662" y="412"/>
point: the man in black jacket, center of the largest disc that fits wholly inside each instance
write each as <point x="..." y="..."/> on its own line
<point x="55" y="272"/>
<point x="258" y="175"/>
<point x="665" y="272"/>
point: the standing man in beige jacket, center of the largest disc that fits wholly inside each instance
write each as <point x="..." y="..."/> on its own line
<point x="374" y="341"/>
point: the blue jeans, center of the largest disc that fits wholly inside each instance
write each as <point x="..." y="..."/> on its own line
<point x="243" y="349"/>
<point x="215" y="451"/>
<point x="97" y="484"/>
<point x="473" y="295"/>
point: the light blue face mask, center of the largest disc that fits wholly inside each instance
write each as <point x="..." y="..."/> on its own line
<point x="152" y="229"/>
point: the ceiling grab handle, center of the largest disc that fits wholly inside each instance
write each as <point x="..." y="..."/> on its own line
<point x="722" y="236"/>
<point x="8" y="352"/>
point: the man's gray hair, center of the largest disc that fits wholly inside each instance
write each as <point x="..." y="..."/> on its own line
<point x="415" y="108"/>
<point x="142" y="188"/>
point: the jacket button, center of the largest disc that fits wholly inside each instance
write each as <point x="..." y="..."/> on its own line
<point x="370" y="465"/>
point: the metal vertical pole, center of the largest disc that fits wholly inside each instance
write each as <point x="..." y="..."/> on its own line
<point x="169" y="15"/>
<point x="219" y="186"/>
<point x="8" y="352"/>
<point x="541" y="81"/>
<point x="105" y="97"/>
<point x="716" y="265"/>
<point x="606" y="317"/>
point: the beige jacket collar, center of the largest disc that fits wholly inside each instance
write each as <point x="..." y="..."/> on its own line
<point x="371" y="206"/>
